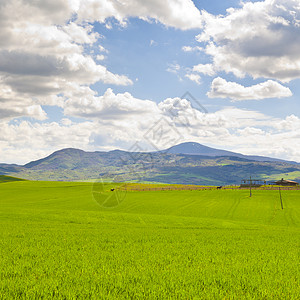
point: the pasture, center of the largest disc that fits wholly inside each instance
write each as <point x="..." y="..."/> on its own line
<point x="58" y="242"/>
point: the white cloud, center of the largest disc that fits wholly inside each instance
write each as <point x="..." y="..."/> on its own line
<point x="66" y="122"/>
<point x="261" y="39"/>
<point x="100" y="57"/>
<point x="290" y="123"/>
<point x="207" y="69"/>
<point x="220" y="88"/>
<point x="181" y="14"/>
<point x="44" y="45"/>
<point x="120" y="120"/>
<point x="83" y="102"/>
<point x="102" y="49"/>
<point x="14" y="105"/>
<point x="42" y="54"/>
<point x="44" y="59"/>
<point x="153" y="43"/>
<point x="173" y="68"/>
<point x="194" y="77"/>
<point x="191" y="49"/>
<point x="16" y="66"/>
<point x="81" y="34"/>
<point x="26" y="141"/>
<point x="123" y="119"/>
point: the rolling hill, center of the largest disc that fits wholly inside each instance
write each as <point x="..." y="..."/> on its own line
<point x="4" y="178"/>
<point x="187" y="163"/>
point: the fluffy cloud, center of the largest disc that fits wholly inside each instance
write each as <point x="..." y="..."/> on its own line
<point x="55" y="51"/>
<point x="176" y="13"/>
<point x="290" y="123"/>
<point x="100" y="57"/>
<point x="207" y="69"/>
<point x="24" y="141"/>
<point x="121" y="120"/>
<point x="194" y="77"/>
<point x="13" y="105"/>
<point x="44" y="45"/>
<point x="191" y="49"/>
<point x="220" y="88"/>
<point x="179" y="14"/>
<point x="261" y="39"/>
<point x="45" y="59"/>
<point x="240" y="129"/>
<point x="42" y="54"/>
<point x="85" y="103"/>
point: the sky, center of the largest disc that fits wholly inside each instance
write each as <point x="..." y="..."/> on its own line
<point x="144" y="75"/>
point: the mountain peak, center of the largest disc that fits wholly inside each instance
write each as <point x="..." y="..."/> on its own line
<point x="194" y="148"/>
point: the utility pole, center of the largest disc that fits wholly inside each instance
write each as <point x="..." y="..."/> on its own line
<point x="280" y="198"/>
<point x="250" y="187"/>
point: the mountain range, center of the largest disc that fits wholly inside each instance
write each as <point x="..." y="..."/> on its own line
<point x="186" y="163"/>
<point x="192" y="148"/>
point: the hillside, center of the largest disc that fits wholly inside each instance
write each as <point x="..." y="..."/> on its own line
<point x="197" y="164"/>
<point x="4" y="178"/>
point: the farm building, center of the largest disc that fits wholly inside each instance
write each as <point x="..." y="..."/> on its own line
<point x="286" y="182"/>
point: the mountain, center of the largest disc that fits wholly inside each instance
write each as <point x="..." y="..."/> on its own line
<point x="68" y="158"/>
<point x="4" y="178"/>
<point x="193" y="148"/>
<point x="9" y="168"/>
<point x="197" y="149"/>
<point x="187" y="163"/>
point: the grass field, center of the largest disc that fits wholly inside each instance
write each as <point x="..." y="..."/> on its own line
<point x="58" y="242"/>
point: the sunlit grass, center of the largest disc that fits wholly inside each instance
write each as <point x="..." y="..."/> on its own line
<point x="58" y="242"/>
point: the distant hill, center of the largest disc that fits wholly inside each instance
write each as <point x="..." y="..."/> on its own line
<point x="9" y="168"/>
<point x="187" y="163"/>
<point x="193" y="148"/>
<point x="69" y="158"/>
<point x="4" y="178"/>
<point x="197" y="149"/>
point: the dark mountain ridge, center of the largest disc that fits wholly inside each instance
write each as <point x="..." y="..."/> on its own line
<point x="188" y="163"/>
<point x="193" y="148"/>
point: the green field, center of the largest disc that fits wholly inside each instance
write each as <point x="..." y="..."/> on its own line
<point x="58" y="242"/>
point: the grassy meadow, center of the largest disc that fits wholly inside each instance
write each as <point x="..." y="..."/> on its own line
<point x="56" y="241"/>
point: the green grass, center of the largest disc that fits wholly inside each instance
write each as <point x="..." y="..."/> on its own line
<point x="57" y="242"/>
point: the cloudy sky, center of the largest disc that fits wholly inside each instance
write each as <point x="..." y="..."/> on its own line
<point x="107" y="74"/>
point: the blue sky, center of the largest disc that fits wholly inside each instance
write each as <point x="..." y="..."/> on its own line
<point x="131" y="53"/>
<point x="99" y="75"/>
